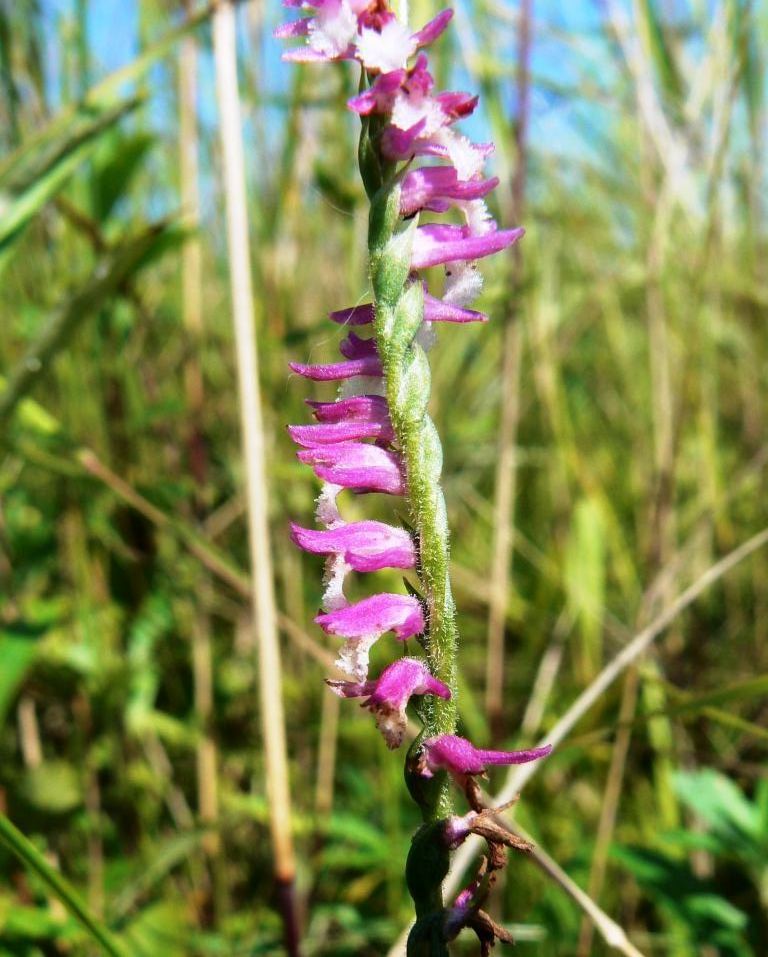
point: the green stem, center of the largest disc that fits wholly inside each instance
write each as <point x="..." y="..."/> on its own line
<point x="399" y="307"/>
<point x="19" y="845"/>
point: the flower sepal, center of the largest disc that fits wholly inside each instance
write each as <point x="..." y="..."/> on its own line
<point x="409" y="315"/>
<point x="414" y="386"/>
<point x="390" y="268"/>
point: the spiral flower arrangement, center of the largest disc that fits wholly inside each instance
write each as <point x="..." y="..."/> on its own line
<point x="378" y="436"/>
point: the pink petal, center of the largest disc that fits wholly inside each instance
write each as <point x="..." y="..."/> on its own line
<point x="399" y="144"/>
<point x="432" y="30"/>
<point x="459" y="756"/>
<point x="306" y="54"/>
<point x="515" y="757"/>
<point x="421" y="187"/>
<point x="354" y="315"/>
<point x="435" y="310"/>
<point x="355" y="347"/>
<point x="356" y="465"/>
<point x="376" y="615"/>
<point x="380" y="97"/>
<point x="457" y="105"/>
<point x="312" y="436"/>
<point x="296" y="28"/>
<point x="436" y="244"/>
<point x="404" y="678"/>
<point x="365" y="546"/>
<point x="355" y="408"/>
<point x="388" y="696"/>
<point x="357" y="417"/>
<point x="367" y="366"/>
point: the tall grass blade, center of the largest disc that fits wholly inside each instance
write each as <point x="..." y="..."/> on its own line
<point x="254" y="451"/>
<point x="23" y="848"/>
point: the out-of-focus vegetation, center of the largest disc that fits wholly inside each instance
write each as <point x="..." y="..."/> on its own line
<point x="641" y="458"/>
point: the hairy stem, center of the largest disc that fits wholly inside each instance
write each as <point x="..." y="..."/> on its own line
<point x="399" y="303"/>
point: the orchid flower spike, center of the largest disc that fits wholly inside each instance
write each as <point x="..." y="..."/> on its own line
<point x="377" y="436"/>
<point x="388" y="696"/>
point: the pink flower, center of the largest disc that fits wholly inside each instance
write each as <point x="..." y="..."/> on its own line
<point x="312" y="436"/>
<point x="357" y="29"/>
<point x="439" y="243"/>
<point x="378" y="614"/>
<point x="355" y="465"/>
<point x="436" y="187"/>
<point x="364" y="546"/>
<point x="361" y="356"/>
<point x="435" y="310"/>
<point x="423" y="139"/>
<point x="407" y="95"/>
<point x="387" y="697"/>
<point x="333" y="371"/>
<point x="363" y="623"/>
<point x="355" y="408"/>
<point x="357" y="417"/>
<point x="461" y="758"/>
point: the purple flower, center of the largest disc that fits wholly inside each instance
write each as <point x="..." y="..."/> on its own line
<point x="436" y="187"/>
<point x="440" y="243"/>
<point x="347" y="29"/>
<point x="355" y="408"/>
<point x="363" y="623"/>
<point x="388" y="696"/>
<point x="417" y="121"/>
<point x="354" y="315"/>
<point x="417" y="140"/>
<point x="357" y="417"/>
<point x="355" y="347"/>
<point x="364" y="546"/>
<point x="355" y="465"/>
<point x="461" y="758"/>
<point x="435" y="310"/>
<point x="407" y="95"/>
<point x="312" y="436"/>
<point x="370" y="366"/>
<point x="361" y="356"/>
<point x="375" y="615"/>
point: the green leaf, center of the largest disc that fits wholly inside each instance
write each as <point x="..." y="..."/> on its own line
<point x="27" y="186"/>
<point x="26" y="851"/>
<point x="109" y="275"/>
<point x="166" y="855"/>
<point x="160" y="928"/>
<point x="718" y="802"/>
<point x="117" y="161"/>
<point x="656" y="43"/>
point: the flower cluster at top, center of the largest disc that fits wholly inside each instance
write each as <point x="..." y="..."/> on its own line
<point x="354" y="443"/>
